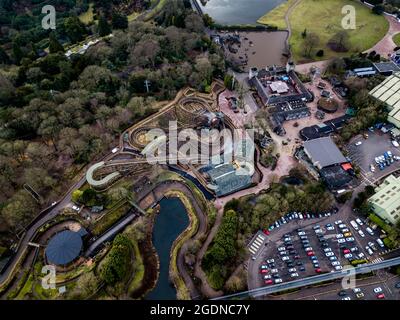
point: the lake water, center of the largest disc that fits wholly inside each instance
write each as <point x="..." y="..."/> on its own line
<point x="169" y="224"/>
<point x="238" y="11"/>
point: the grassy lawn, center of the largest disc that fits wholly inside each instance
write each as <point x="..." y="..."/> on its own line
<point x="324" y="17"/>
<point x="109" y="219"/>
<point x="156" y="9"/>
<point x="139" y="269"/>
<point x="396" y="39"/>
<point x="87" y="17"/>
<point x="276" y="17"/>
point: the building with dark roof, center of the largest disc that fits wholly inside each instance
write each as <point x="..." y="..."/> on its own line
<point x="323" y="129"/>
<point x="323" y="152"/>
<point x="386" y="68"/>
<point x="64" y="248"/>
<point x="335" y="177"/>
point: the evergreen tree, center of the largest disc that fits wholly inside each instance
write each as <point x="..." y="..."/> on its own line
<point x="103" y="28"/>
<point x="119" y="21"/>
<point x="4" y="58"/>
<point x="54" y="45"/>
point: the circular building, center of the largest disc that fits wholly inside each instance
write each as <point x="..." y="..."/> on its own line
<point x="328" y="105"/>
<point x="64" y="248"/>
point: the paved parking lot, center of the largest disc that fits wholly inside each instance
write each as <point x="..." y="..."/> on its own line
<point x="299" y="248"/>
<point x="364" y="155"/>
<point x="386" y="281"/>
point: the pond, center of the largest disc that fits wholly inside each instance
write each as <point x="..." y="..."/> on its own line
<point x="233" y="12"/>
<point x="171" y="221"/>
<point x="292" y="181"/>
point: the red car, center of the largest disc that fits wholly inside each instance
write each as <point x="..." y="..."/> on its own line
<point x="318" y="270"/>
<point x="310" y="253"/>
<point x="346" y="251"/>
<point x="263" y="271"/>
<point x="381" y="296"/>
<point x="268" y="281"/>
<point x="266" y="232"/>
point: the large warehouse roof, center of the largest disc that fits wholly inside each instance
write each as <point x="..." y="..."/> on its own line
<point x="64" y="247"/>
<point x="323" y="152"/>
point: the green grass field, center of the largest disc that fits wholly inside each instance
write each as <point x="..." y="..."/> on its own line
<point x="396" y="39"/>
<point x="87" y="17"/>
<point x="324" y="17"/>
<point x="276" y="17"/>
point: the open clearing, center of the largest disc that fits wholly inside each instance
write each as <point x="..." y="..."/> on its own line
<point x="276" y="17"/>
<point x="324" y="18"/>
<point x="87" y="17"/>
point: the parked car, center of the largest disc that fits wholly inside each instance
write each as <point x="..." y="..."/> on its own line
<point x="278" y="281"/>
<point x="337" y="268"/>
<point x="329" y="254"/>
<point x="281" y="249"/>
<point x="294" y="275"/>
<point x="269" y="261"/>
<point x="341" y="241"/>
<point x="348" y="256"/>
<point x="358" y="220"/>
<point x="335" y="263"/>
<point x="327" y="250"/>
<point x="339" y="235"/>
<point x="361" y="233"/>
<point x="378" y="290"/>
<point x="369" y="230"/>
<point x="333" y="258"/>
<point x="268" y="281"/>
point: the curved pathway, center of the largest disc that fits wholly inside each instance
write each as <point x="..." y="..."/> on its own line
<point x="386" y="45"/>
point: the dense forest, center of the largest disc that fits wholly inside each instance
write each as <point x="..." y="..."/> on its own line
<point x="58" y="113"/>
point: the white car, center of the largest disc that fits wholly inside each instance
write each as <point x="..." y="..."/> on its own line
<point x="369" y="230"/>
<point x="361" y="233"/>
<point x="358" y="143"/>
<point x="274" y="271"/>
<point x="335" y="263"/>
<point x="75" y="208"/>
<point x="369" y="250"/>
<point x="356" y="290"/>
<point x="268" y="276"/>
<point x="358" y="220"/>
<point x="308" y="249"/>
<point x="301" y="233"/>
<point x="285" y="258"/>
<point x="348" y="256"/>
<point x="331" y="228"/>
<point x="372" y="168"/>
<point x="341" y="240"/>
<point x="339" y="236"/>
<point x="346" y="298"/>
<point x="344" y="230"/>
<point x="294" y="275"/>
<point x="114" y="150"/>
<point x="333" y="258"/>
<point x="337" y="268"/>
<point x="270" y="261"/>
<point x="53" y="203"/>
<point x="327" y="250"/>
<point x="283" y="253"/>
<point x="342" y="226"/>
<point x="292" y="270"/>
<point x="300" y="216"/>
<point x="281" y="249"/>
<point x="278" y="280"/>
<point x="361" y="255"/>
<point x="329" y="254"/>
<point x="378" y="290"/>
<point x="338" y="222"/>
<point x="395" y="143"/>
